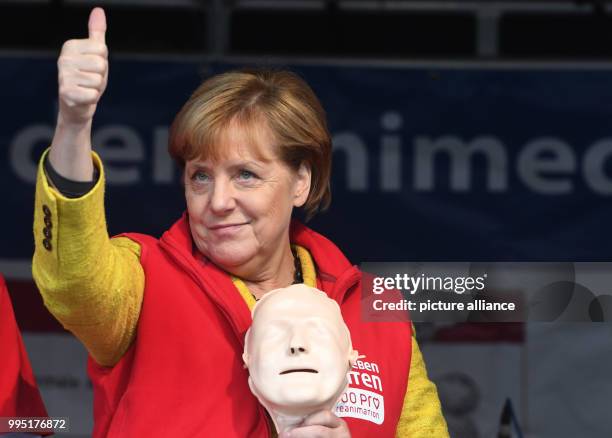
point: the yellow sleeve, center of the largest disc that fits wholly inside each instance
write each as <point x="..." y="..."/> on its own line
<point x="421" y="414"/>
<point x="92" y="284"/>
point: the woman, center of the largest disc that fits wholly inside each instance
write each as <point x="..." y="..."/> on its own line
<point x="19" y="395"/>
<point x="164" y="320"/>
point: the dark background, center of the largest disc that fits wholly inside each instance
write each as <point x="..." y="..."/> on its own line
<point x="467" y="30"/>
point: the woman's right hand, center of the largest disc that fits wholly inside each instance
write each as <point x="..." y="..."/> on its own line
<point x="83" y="72"/>
<point x="82" y="78"/>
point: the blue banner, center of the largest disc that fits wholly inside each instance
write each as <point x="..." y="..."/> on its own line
<point x="430" y="163"/>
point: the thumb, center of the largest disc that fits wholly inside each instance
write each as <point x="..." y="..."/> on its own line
<point x="97" y="25"/>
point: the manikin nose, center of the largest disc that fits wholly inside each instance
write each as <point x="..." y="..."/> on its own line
<point x="297" y="344"/>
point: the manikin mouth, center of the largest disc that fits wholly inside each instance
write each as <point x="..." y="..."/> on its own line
<point x="300" y="370"/>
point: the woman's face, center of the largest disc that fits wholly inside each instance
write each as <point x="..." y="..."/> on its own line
<point x="240" y="205"/>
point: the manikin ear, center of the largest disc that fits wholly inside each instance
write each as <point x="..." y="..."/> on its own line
<point x="302" y="185"/>
<point x="245" y="355"/>
<point x="353" y="356"/>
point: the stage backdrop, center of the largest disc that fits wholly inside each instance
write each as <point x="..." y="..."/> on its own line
<point x="431" y="162"/>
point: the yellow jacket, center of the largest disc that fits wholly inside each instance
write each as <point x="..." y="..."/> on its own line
<point x="94" y="286"/>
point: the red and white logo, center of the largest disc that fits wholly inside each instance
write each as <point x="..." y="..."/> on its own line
<point x="364" y="397"/>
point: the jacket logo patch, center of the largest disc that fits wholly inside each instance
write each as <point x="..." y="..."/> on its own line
<point x="363" y="398"/>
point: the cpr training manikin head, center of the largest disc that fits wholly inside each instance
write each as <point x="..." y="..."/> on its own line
<point x="298" y="352"/>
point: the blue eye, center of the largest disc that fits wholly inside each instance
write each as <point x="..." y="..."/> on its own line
<point x="200" y="176"/>
<point x="246" y="175"/>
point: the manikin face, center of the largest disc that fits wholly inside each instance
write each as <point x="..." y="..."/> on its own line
<point x="240" y="205"/>
<point x="298" y="350"/>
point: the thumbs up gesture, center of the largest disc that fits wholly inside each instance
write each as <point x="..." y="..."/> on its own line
<point x="83" y="73"/>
